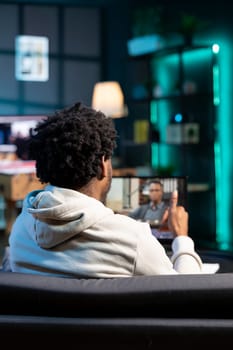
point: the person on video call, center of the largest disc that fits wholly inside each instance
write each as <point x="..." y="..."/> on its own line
<point x="66" y="230"/>
<point x="155" y="210"/>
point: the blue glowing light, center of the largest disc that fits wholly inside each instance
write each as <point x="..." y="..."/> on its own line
<point x="178" y="118"/>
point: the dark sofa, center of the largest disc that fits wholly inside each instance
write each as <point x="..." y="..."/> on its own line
<point x="159" y="312"/>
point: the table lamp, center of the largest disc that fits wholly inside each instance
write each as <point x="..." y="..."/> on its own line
<point x="109" y="99"/>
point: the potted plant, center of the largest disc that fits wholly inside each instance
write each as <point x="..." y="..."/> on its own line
<point x="188" y="26"/>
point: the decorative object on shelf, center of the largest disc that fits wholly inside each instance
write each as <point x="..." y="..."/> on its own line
<point x="139" y="91"/>
<point x="183" y="133"/>
<point x="191" y="133"/>
<point x="174" y="133"/>
<point x="157" y="90"/>
<point x="108" y="98"/>
<point x="141" y="131"/>
<point x="189" y="25"/>
<point x="189" y="87"/>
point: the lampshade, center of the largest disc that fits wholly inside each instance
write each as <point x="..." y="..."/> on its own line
<point x="109" y="99"/>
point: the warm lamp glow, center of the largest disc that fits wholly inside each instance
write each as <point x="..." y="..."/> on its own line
<point x="109" y="99"/>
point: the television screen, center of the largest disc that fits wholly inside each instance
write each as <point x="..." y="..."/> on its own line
<point x="15" y="130"/>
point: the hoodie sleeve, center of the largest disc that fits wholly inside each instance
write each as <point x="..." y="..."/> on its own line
<point x="184" y="258"/>
<point x="152" y="258"/>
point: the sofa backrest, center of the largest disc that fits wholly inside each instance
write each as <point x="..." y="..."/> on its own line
<point x="202" y="296"/>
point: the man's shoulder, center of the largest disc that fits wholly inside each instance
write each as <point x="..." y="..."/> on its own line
<point x="143" y="207"/>
<point x="146" y="205"/>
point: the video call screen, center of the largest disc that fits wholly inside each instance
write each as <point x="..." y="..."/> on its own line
<point x="127" y="193"/>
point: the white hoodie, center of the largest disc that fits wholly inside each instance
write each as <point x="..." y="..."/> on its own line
<point x="62" y="232"/>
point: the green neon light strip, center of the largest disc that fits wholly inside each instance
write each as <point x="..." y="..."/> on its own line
<point x="153" y="113"/>
<point x="217" y="155"/>
<point x="216" y="84"/>
<point x="222" y="150"/>
<point x="155" y="157"/>
<point x="154" y="146"/>
<point x="218" y="176"/>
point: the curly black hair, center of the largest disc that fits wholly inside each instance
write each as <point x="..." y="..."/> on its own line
<point x="68" y="146"/>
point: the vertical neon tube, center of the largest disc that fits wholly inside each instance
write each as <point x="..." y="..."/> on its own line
<point x="154" y="146"/>
<point x="222" y="149"/>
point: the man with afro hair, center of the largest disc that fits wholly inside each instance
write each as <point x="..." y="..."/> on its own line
<point x="66" y="230"/>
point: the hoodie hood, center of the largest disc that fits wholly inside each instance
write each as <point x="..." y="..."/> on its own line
<point x="61" y="213"/>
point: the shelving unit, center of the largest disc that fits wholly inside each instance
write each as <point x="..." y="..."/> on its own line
<point x="175" y="90"/>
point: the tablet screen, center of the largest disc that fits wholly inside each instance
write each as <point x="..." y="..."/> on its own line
<point x="146" y="199"/>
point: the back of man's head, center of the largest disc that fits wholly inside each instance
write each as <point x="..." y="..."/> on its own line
<point x="68" y="146"/>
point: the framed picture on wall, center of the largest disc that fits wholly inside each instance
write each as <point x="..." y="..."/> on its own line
<point x="31" y="59"/>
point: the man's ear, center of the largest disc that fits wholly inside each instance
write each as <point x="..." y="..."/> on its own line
<point x="104" y="167"/>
